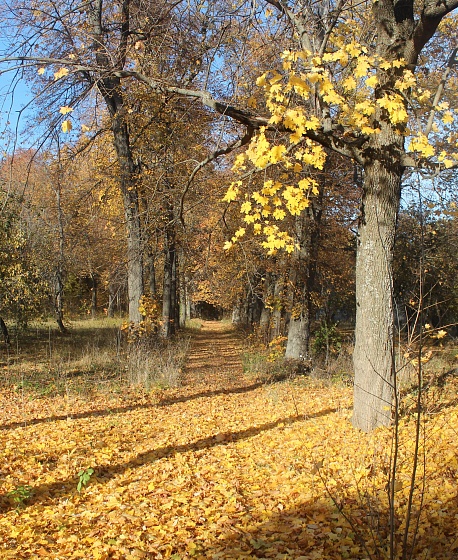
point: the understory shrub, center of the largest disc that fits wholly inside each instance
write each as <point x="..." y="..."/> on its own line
<point x="153" y="362"/>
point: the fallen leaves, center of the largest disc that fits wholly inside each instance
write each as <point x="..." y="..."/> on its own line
<point x="219" y="468"/>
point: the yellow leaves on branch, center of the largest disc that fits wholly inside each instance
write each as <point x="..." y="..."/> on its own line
<point x="275" y="200"/>
<point x="66" y="124"/>
<point x="61" y="73"/>
<point x="350" y="85"/>
<point x="395" y="107"/>
<point x="421" y="145"/>
<point x="65" y="110"/>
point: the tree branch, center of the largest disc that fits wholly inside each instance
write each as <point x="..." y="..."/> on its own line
<point x="221" y="152"/>
<point x="332" y="139"/>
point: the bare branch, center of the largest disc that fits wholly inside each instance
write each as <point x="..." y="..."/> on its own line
<point x="221" y="152"/>
<point x="451" y="62"/>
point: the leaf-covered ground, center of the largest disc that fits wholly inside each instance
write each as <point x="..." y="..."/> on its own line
<point x="222" y="467"/>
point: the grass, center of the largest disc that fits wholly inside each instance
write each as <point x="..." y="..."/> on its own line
<point x="93" y="356"/>
<point x="194" y="324"/>
<point x="335" y="363"/>
<point x="156" y="363"/>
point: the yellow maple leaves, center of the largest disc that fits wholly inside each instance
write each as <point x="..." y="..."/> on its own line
<point x="66" y="126"/>
<point x="421" y="145"/>
<point x="61" y="73"/>
<point x="357" y="101"/>
<point x="395" y="106"/>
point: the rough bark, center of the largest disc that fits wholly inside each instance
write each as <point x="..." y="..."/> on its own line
<point x="111" y="90"/>
<point x="307" y="232"/>
<point x="373" y="354"/>
<point x="168" y="291"/>
<point x="129" y="192"/>
<point x="59" y="299"/>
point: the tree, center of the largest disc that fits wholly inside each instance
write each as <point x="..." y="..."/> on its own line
<point x="361" y="87"/>
<point x="23" y="290"/>
<point x="365" y="89"/>
<point x="428" y="238"/>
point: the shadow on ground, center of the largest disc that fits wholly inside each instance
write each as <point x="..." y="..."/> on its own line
<point x="47" y="492"/>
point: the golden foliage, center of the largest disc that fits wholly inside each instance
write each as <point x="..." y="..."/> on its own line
<point x="220" y="468"/>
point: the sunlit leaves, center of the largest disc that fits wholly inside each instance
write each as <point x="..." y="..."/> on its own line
<point x="421" y="145"/>
<point x="359" y="93"/>
<point x="66" y="126"/>
<point x="61" y="73"/>
<point x="65" y="110"/>
<point x="395" y="106"/>
<point x="230" y="469"/>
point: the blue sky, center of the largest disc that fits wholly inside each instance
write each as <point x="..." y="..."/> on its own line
<point x="11" y="104"/>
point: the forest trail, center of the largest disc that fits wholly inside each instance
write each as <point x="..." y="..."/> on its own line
<point x="221" y="467"/>
<point x="214" y="359"/>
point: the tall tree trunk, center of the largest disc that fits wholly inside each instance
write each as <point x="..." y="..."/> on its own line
<point x="94" y="289"/>
<point x="183" y="291"/>
<point x="129" y="192"/>
<point x="4" y="330"/>
<point x="111" y="91"/>
<point x="59" y="299"/>
<point x="168" y="302"/>
<point x="307" y="232"/>
<point x="373" y="354"/>
<point x="59" y="277"/>
<point x="264" y="321"/>
<point x="174" y="292"/>
<point x="152" y="274"/>
<point x="237" y="312"/>
<point x="298" y="344"/>
<point x="277" y="311"/>
<point x="110" y="308"/>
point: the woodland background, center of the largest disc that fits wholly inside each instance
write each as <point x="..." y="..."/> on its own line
<point x="186" y="232"/>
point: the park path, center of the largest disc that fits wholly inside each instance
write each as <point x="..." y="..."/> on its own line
<point x="214" y="359"/>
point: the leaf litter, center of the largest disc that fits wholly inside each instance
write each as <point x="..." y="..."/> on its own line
<point x="221" y="467"/>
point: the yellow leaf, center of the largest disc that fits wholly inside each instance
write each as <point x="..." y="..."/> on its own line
<point x="349" y="83"/>
<point x="246" y="207"/>
<point x="448" y="118"/>
<point x="61" y="73"/>
<point x="252" y="102"/>
<point x="231" y="193"/>
<point x="65" y="110"/>
<point x="372" y="81"/>
<point x="41" y="71"/>
<point x="66" y="126"/>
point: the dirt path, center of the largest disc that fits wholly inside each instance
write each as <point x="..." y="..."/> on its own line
<point x="215" y="358"/>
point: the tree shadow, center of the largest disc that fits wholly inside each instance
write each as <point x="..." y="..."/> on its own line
<point x="316" y="529"/>
<point x="120" y="409"/>
<point x="47" y="492"/>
